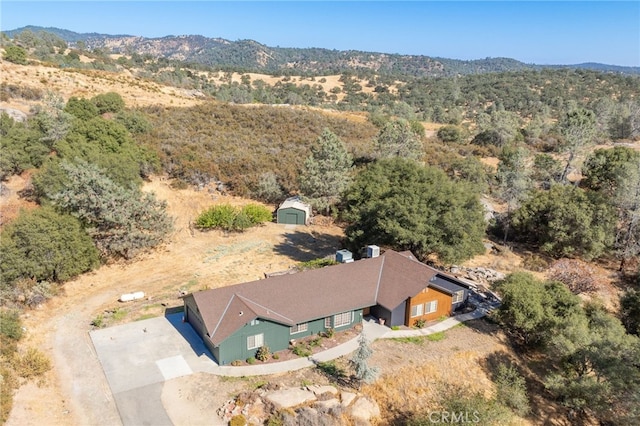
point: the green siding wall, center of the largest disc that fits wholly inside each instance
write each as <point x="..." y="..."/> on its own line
<point x="276" y="337"/>
<point x="291" y="216"/>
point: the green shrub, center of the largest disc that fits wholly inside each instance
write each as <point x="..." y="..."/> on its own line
<point x="10" y="324"/>
<point x="316" y="341"/>
<point x="450" y="134"/>
<point x="241" y="221"/>
<point x="230" y="218"/>
<point x="512" y="389"/>
<point x="81" y="108"/>
<point x="135" y="121"/>
<point x="420" y="323"/>
<point x="108" y="102"/>
<point x="43" y="244"/>
<point x="98" y="321"/>
<point x="257" y="213"/>
<point x="276" y="356"/>
<point x="251" y="360"/>
<point x="221" y="216"/>
<point x="263" y="353"/>
<point x="301" y="350"/>
<point x="15" y="54"/>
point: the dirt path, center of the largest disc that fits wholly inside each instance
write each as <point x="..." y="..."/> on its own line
<point x="76" y="391"/>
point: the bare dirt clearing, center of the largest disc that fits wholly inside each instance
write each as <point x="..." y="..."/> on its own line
<point x="87" y="83"/>
<point x="10" y="201"/>
<point x="190" y="261"/>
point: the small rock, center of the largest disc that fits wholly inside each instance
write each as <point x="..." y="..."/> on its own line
<point x="347" y="398"/>
<point x="319" y="390"/>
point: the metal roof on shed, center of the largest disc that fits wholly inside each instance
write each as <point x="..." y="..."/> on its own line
<point x="296" y="203"/>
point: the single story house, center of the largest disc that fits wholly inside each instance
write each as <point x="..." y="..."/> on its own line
<point x="293" y="211"/>
<point x="235" y="321"/>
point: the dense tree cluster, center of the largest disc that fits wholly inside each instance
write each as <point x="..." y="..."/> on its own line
<point x="593" y="368"/>
<point x="566" y="221"/>
<point x="89" y="169"/>
<point x="44" y="245"/>
<point x="402" y="204"/>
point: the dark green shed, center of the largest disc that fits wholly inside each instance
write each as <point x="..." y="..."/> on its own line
<point x="294" y="212"/>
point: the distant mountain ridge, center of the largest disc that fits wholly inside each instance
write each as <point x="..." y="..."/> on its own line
<point x="250" y="55"/>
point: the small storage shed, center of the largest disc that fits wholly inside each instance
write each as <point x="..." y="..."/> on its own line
<point x="294" y="212"/>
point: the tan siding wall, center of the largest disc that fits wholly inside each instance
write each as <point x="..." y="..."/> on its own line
<point x="428" y="295"/>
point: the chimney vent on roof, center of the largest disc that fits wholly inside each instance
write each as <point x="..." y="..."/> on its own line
<point x="373" y="251"/>
<point x="344" y="256"/>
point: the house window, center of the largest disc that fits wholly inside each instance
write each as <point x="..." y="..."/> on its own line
<point x="255" y="341"/>
<point x="416" y="310"/>
<point x="298" y="328"/>
<point x="458" y="296"/>
<point x="342" y="319"/>
<point x="255" y="322"/>
<point x="431" y="307"/>
<point x="327" y="322"/>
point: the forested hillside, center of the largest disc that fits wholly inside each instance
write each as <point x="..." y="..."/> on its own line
<point x="252" y="56"/>
<point x="543" y="163"/>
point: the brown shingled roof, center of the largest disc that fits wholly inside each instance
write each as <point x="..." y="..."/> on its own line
<point x="387" y="280"/>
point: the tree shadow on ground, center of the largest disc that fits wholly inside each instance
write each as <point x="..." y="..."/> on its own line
<point x="304" y="245"/>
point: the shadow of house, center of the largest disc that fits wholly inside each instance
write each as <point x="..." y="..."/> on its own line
<point x="176" y="319"/>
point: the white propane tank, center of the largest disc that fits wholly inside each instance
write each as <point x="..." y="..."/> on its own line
<point x="126" y="297"/>
<point x="138" y="295"/>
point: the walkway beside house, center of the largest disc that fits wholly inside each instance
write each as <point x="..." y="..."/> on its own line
<point x="372" y="331"/>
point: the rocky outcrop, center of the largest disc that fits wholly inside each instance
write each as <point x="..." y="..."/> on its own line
<point x="17" y="115"/>
<point x="478" y="274"/>
<point x="324" y="405"/>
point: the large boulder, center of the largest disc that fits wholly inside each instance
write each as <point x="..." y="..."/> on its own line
<point x="291" y="397"/>
<point x="364" y="410"/>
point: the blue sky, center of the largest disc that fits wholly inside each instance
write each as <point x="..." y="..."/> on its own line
<point x="542" y="32"/>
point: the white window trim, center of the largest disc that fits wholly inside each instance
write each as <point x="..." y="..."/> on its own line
<point x="255" y="322"/>
<point x="428" y="307"/>
<point x="419" y="310"/>
<point x="327" y="322"/>
<point x="299" y="328"/>
<point x="340" y="320"/>
<point x="257" y="342"/>
<point x="457" y="297"/>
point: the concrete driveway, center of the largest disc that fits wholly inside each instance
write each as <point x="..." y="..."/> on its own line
<point x="138" y="357"/>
